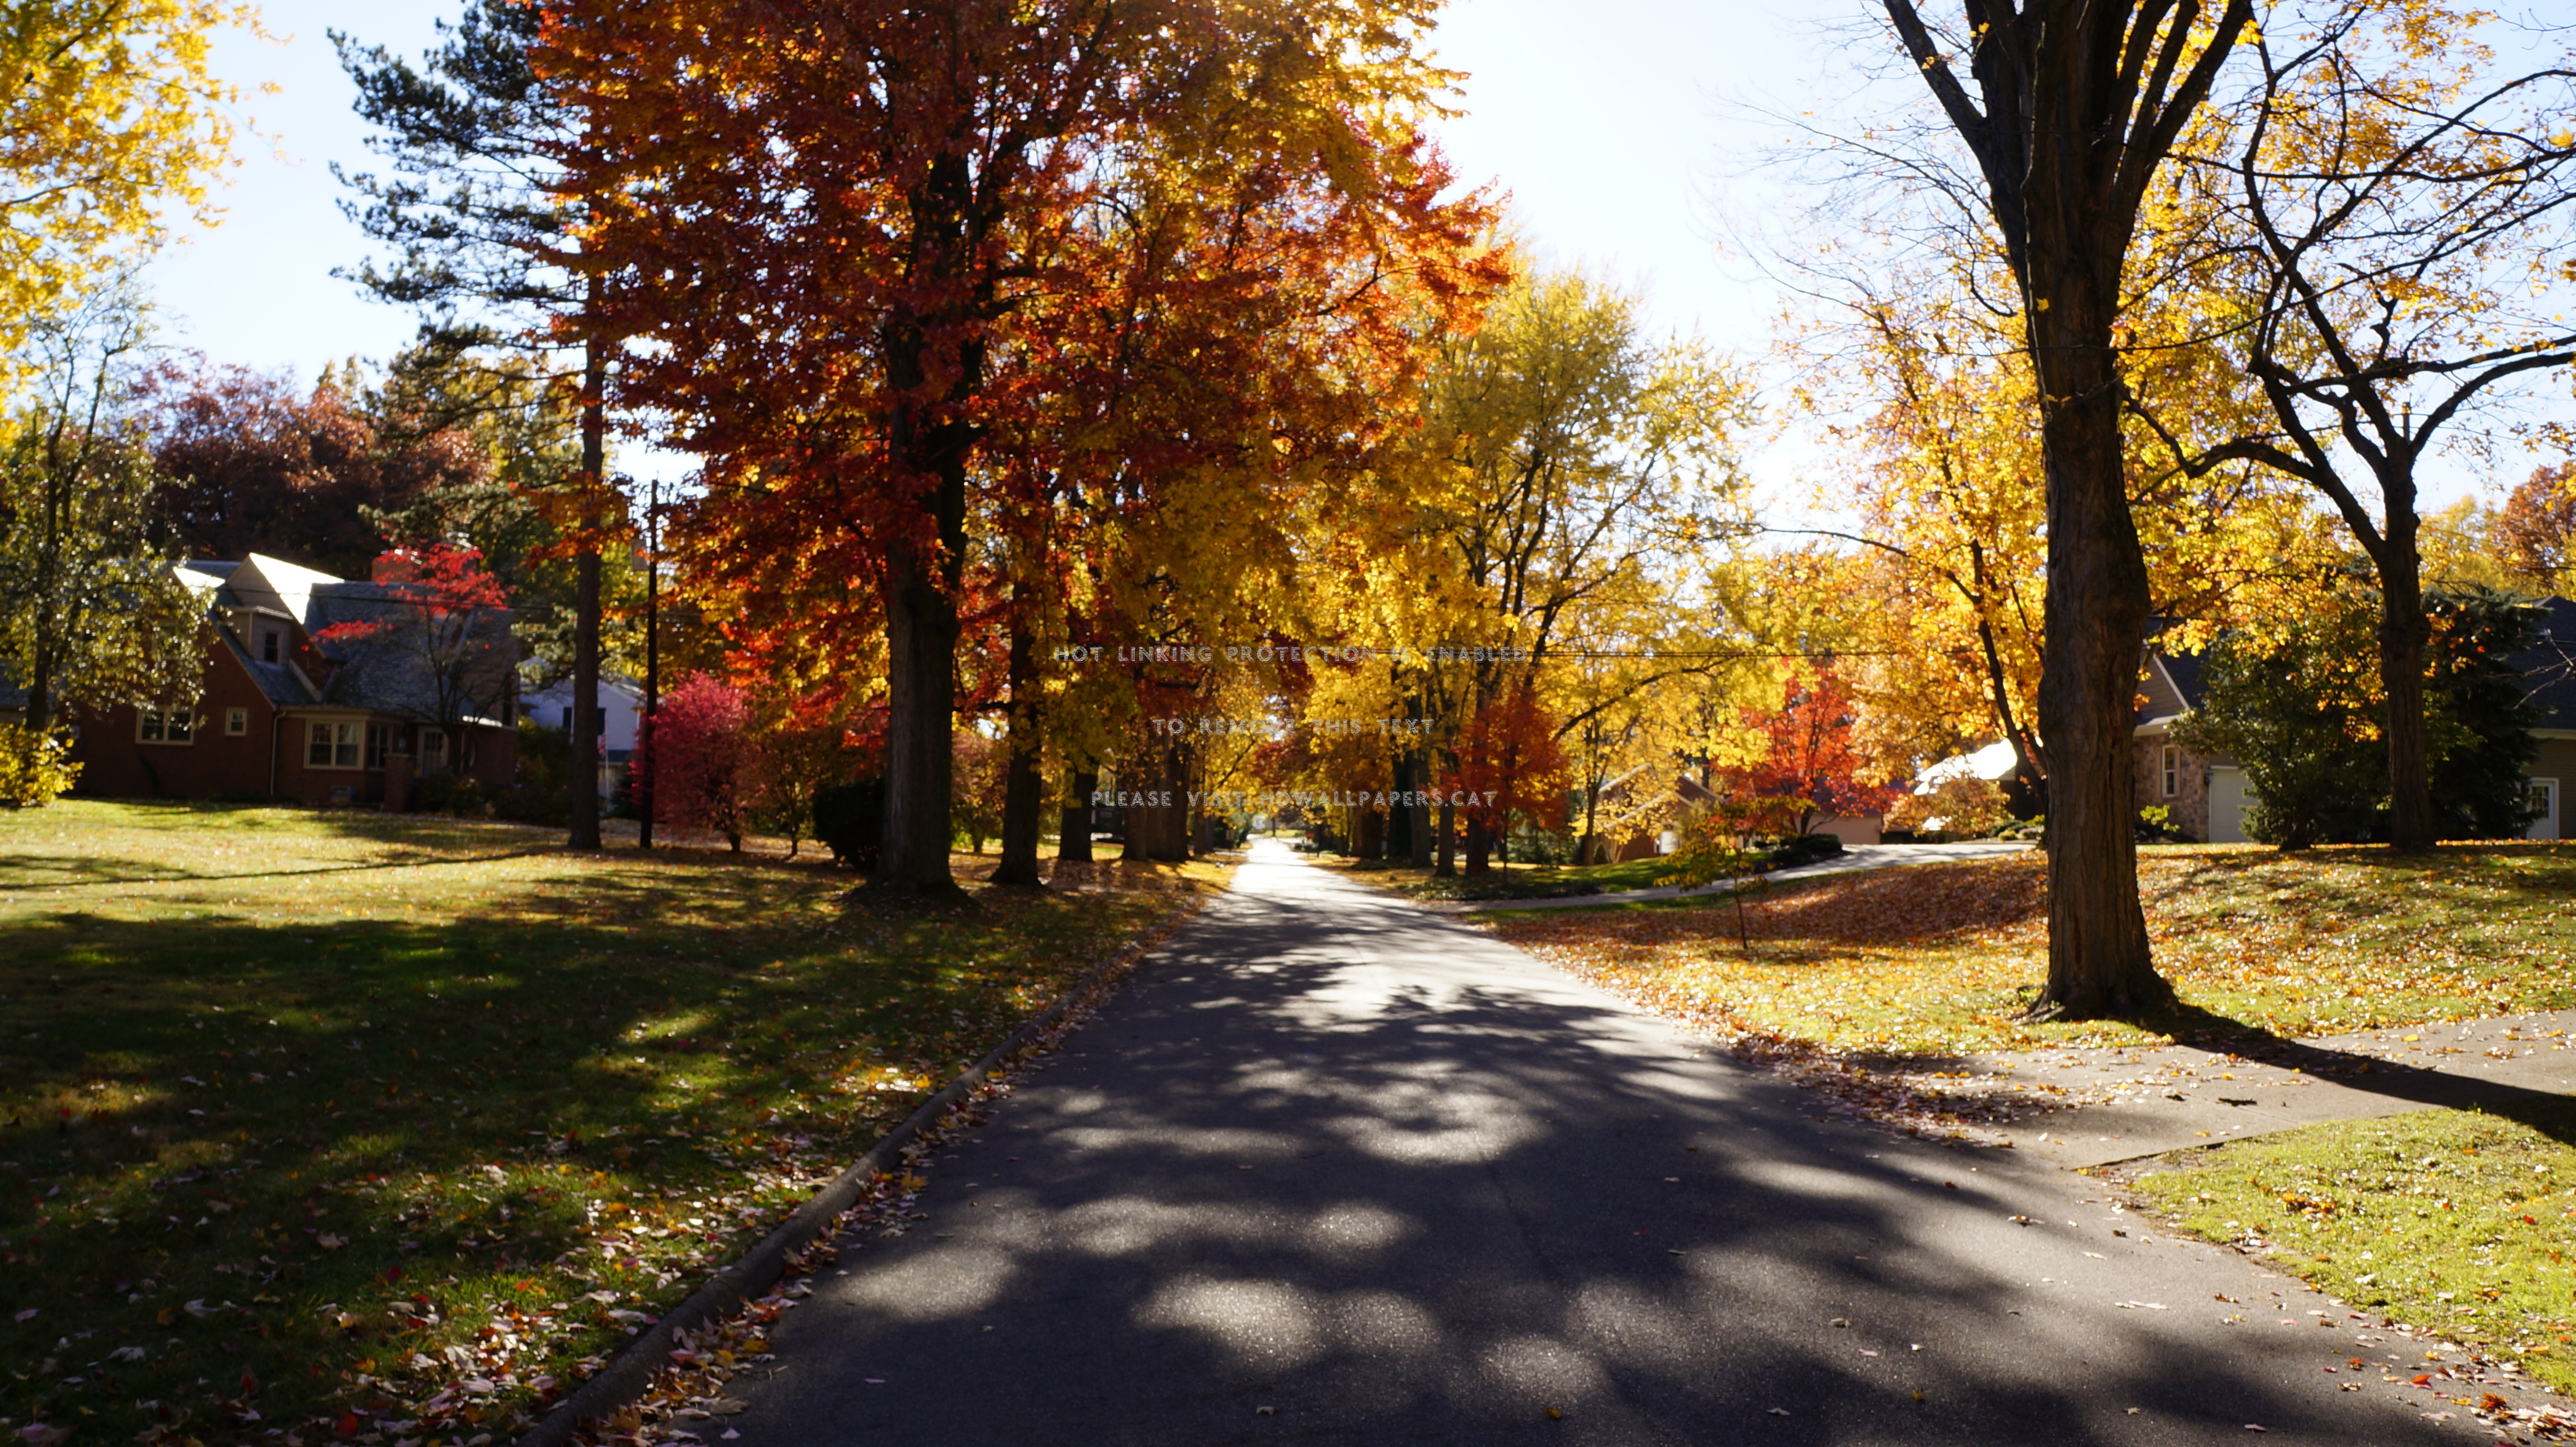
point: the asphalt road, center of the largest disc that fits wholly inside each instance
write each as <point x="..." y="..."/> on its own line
<point x="1335" y="1169"/>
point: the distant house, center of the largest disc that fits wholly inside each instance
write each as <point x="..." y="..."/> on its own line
<point x="621" y="716"/>
<point x="353" y="718"/>
<point x="2207" y="793"/>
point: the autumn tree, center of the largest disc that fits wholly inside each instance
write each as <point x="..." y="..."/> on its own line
<point x="485" y="219"/>
<point x="257" y="465"/>
<point x="92" y="612"/>
<point x="838" y="220"/>
<point x="2397" y="219"/>
<point x="2076" y="107"/>
<point x="1571" y="475"/>
<point x="112" y="128"/>
<point x="1807" y="754"/>
<point x="436" y="635"/>
<point x="2536" y="527"/>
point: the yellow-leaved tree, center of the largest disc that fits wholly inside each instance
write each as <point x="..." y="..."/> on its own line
<point x="112" y="125"/>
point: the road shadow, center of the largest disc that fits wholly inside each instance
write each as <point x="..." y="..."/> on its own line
<point x="1337" y="1170"/>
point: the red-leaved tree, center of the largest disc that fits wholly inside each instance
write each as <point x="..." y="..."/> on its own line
<point x="1810" y="762"/>
<point x="437" y="639"/>
<point x="1509" y="760"/>
<point x="706" y="768"/>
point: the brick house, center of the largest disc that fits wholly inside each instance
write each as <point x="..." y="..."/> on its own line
<point x="285" y="714"/>
<point x="2207" y="793"/>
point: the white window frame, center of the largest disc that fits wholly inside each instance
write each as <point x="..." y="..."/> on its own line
<point x="345" y="746"/>
<point x="157" y="725"/>
<point x="2547" y="819"/>
<point x="2172" y="765"/>
<point x="236" y="722"/>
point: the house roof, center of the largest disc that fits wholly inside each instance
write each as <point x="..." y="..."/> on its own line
<point x="2549" y="671"/>
<point x="358" y="671"/>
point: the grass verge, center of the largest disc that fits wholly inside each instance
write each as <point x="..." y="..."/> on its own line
<point x="1940" y="959"/>
<point x="2452" y="1220"/>
<point x="355" y="1126"/>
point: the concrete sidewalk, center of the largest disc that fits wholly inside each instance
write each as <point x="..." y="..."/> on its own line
<point x="1335" y="1170"/>
<point x="2143" y="1102"/>
<point x="1858" y="856"/>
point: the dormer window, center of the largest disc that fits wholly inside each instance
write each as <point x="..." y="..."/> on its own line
<point x="269" y="644"/>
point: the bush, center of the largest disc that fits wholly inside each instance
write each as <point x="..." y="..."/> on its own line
<point x="850" y="821"/>
<point x="35" y="767"/>
<point x="1800" y="849"/>
<point x="459" y="794"/>
<point x="542" y="792"/>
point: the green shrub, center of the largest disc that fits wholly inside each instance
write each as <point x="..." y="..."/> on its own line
<point x="849" y="819"/>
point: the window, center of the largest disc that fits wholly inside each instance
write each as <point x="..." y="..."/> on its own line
<point x="2173" y="771"/>
<point x="380" y="738"/>
<point x="567" y="723"/>
<point x="236" y="721"/>
<point x="268" y="645"/>
<point x="433" y="749"/>
<point x="160" y="726"/>
<point x="332" y="746"/>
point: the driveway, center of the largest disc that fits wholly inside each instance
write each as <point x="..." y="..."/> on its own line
<point x="1336" y="1170"/>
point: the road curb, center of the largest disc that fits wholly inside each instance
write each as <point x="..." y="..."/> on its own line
<point x="631" y="1373"/>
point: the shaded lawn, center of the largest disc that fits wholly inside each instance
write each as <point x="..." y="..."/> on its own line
<point x="1939" y="959"/>
<point x="2456" y="1220"/>
<point x="411" y="1120"/>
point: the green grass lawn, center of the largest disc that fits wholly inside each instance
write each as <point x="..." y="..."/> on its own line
<point x="1936" y="959"/>
<point x="353" y="1121"/>
<point x="2457" y="1221"/>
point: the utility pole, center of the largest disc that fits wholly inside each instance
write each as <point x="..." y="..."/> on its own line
<point x="652" y="655"/>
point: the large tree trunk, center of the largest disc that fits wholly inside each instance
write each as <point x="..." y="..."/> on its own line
<point x="584" y="833"/>
<point x="1073" y="838"/>
<point x="921" y="689"/>
<point x="1024" y="785"/>
<point x="1480" y="846"/>
<point x="1157" y="831"/>
<point x="924" y="563"/>
<point x="1446" y="862"/>
<point x="2404" y="632"/>
<point x="2099" y="962"/>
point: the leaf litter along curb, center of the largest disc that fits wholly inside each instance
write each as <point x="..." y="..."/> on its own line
<point x="1872" y="987"/>
<point x="704" y="1360"/>
<point x="446" y="1109"/>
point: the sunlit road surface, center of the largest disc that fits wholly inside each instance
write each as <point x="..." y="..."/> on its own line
<point x="1335" y="1169"/>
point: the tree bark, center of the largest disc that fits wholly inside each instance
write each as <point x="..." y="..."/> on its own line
<point x="1073" y="839"/>
<point x="2099" y="960"/>
<point x="2404" y="633"/>
<point x="1446" y="863"/>
<point x="1024" y="785"/>
<point x="1480" y="846"/>
<point x="925" y="557"/>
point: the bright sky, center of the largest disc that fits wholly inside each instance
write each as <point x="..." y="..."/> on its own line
<point x="1621" y="128"/>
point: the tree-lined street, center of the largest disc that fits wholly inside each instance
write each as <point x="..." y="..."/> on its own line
<point x="1335" y="1169"/>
